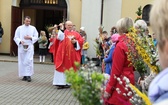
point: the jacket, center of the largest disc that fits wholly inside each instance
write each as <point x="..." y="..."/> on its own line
<point x="109" y="60"/>
<point x="158" y="89"/>
<point x="120" y="68"/>
<point x="85" y="46"/>
<point x="42" y="42"/>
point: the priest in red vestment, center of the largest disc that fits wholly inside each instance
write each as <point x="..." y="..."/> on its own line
<point x="67" y="48"/>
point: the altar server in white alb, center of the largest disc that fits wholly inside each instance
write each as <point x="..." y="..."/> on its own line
<point x="25" y="36"/>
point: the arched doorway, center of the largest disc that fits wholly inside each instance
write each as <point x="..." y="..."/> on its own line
<point x="146" y="12"/>
<point x="42" y="12"/>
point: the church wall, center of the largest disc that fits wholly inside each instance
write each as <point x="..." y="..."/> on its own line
<point x="75" y="12"/>
<point x="5" y="18"/>
<point x="85" y="13"/>
<point x="111" y="13"/>
<point x="129" y="7"/>
<point x="91" y="16"/>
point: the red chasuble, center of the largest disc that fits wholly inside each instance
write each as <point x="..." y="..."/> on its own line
<point x="65" y="53"/>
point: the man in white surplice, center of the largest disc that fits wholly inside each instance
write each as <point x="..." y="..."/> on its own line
<point x="25" y="36"/>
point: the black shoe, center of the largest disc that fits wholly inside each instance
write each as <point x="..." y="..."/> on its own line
<point x="67" y="86"/>
<point x="60" y="87"/>
<point x="63" y="86"/>
<point x="24" y="78"/>
<point x="28" y="79"/>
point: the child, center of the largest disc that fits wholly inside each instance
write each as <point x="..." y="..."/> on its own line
<point x="51" y="47"/>
<point x="42" y="46"/>
<point x="84" y="50"/>
<point x="158" y="89"/>
<point x="108" y="60"/>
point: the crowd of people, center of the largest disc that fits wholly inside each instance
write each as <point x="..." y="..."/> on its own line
<point x="114" y="59"/>
<point x="67" y="46"/>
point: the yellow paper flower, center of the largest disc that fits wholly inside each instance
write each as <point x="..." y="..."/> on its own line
<point x="142" y="95"/>
<point x="139" y="52"/>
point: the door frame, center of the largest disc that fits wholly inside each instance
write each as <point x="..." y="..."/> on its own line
<point x="16" y="20"/>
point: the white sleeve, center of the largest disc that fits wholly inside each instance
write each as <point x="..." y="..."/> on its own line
<point x="17" y="38"/>
<point x="60" y="35"/>
<point x="77" y="46"/>
<point x="35" y="36"/>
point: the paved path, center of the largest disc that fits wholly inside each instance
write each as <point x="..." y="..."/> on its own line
<point x="14" y="91"/>
<point x="7" y="58"/>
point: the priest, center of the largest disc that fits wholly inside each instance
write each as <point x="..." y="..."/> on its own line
<point x="68" y="46"/>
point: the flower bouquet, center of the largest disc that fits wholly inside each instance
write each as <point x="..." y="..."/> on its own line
<point x="131" y="92"/>
<point x="49" y="28"/>
<point x="43" y="39"/>
<point x="141" y="52"/>
<point x="139" y="13"/>
<point x="86" y="84"/>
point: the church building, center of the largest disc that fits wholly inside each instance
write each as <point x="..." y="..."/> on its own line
<point x="83" y="13"/>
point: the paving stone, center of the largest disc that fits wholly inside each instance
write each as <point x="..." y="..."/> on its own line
<point x="14" y="91"/>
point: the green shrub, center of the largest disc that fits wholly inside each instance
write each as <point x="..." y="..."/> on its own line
<point x="86" y="84"/>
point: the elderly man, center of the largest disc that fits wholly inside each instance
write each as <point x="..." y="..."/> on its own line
<point x="68" y="46"/>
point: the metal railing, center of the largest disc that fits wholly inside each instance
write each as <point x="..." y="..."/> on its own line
<point x="43" y="1"/>
<point x="61" y="3"/>
<point x="51" y="1"/>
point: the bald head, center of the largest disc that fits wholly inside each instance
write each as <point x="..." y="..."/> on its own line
<point x="68" y="22"/>
<point x="68" y="25"/>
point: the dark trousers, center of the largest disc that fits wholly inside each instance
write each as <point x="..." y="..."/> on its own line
<point x="52" y="60"/>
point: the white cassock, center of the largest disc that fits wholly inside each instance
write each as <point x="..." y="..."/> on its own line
<point x="59" y="77"/>
<point x="25" y="56"/>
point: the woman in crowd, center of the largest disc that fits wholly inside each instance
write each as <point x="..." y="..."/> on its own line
<point x="158" y="89"/>
<point x="143" y="84"/>
<point x="120" y="66"/>
<point x="85" y="47"/>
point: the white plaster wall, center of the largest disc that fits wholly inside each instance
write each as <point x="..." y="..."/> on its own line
<point x="14" y="3"/>
<point x="67" y="1"/>
<point x="111" y="13"/>
<point x="90" y="19"/>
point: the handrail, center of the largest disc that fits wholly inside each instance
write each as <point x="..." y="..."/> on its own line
<point x="42" y="2"/>
<point x="28" y="3"/>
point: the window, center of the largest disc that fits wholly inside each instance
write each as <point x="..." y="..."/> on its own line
<point x="51" y="1"/>
<point x="145" y="13"/>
